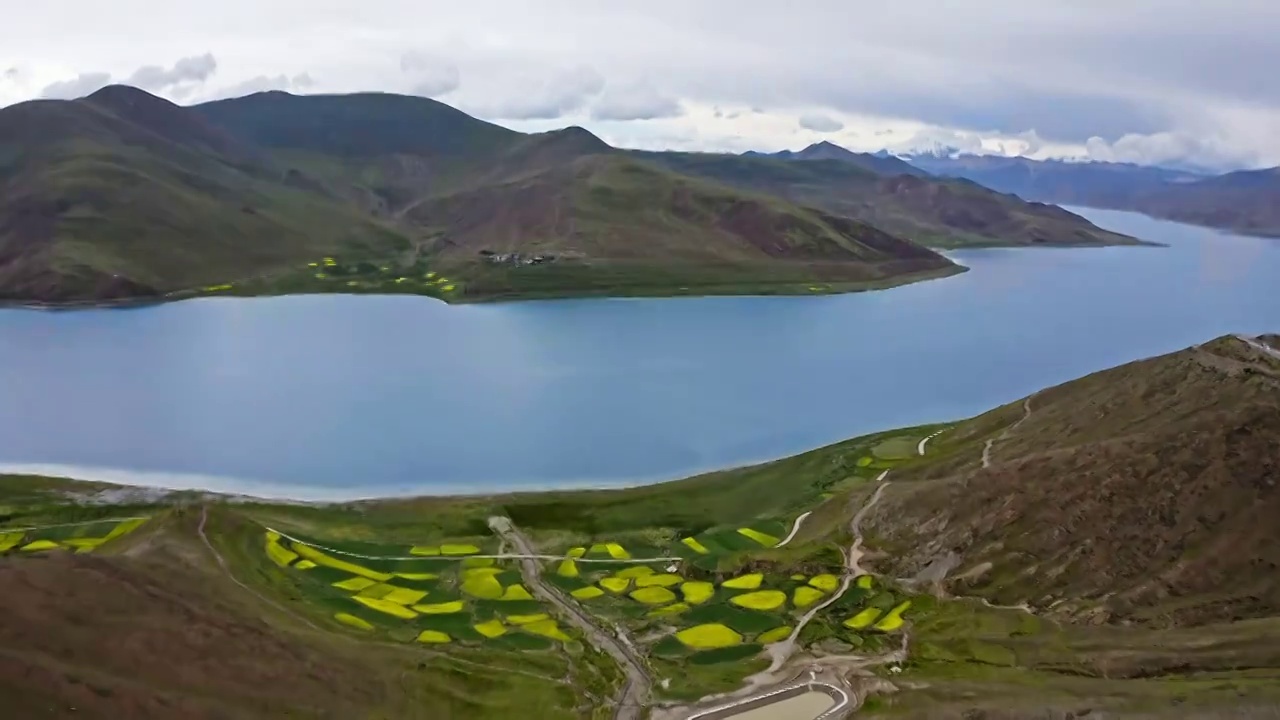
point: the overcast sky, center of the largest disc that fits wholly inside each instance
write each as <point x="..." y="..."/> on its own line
<point x="1157" y="81"/>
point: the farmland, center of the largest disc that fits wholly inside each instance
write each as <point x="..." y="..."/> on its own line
<point x="693" y="578"/>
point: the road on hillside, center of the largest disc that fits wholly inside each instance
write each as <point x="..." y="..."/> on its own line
<point x="636" y="691"/>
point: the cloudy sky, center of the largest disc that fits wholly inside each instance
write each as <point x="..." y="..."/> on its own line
<point x="1155" y="81"/>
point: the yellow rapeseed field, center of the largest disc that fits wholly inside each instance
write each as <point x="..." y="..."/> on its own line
<point x="485" y="587"/>
<point x="320" y="558"/>
<point x="443" y="608"/>
<point x="417" y="576"/>
<point x="353" y="621"/>
<point x="615" y="585"/>
<point x="9" y="541"/>
<point x="491" y="629"/>
<point x="653" y="596"/>
<point x="39" y="545"/>
<point x="576" y="552"/>
<point x="389" y="608"/>
<point x="433" y="637"/>
<point x="125" y="528"/>
<point x="355" y="584"/>
<point x="404" y="596"/>
<point x="763" y="538"/>
<point x="526" y="619"/>
<point x="279" y="554"/>
<point x="634" y="572"/>
<point x="516" y="592"/>
<point x="865" y="582"/>
<point x="744" y="582"/>
<point x="424" y="550"/>
<point x="697" y="592"/>
<point x="805" y="596"/>
<point x="760" y="600"/>
<point x="617" y="552"/>
<point x="693" y="544"/>
<point x="587" y="593"/>
<point x="458" y="549"/>
<point x="863" y="619"/>
<point x="546" y="628"/>
<point x="775" y="635"/>
<point x="303" y="565"/>
<point x="825" y="582"/>
<point x="568" y="568"/>
<point x="709" y="636"/>
<point x="673" y="609"/>
<point x="663" y="580"/>
<point x="893" y="620"/>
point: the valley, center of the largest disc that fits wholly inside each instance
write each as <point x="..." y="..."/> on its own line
<point x="872" y="568"/>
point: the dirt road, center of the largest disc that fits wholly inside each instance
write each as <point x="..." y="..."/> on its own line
<point x="986" y="450"/>
<point x="638" y="688"/>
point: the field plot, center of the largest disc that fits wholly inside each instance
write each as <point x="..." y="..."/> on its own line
<point x="343" y="275"/>
<point x="437" y="595"/>
<point x="72" y="537"/>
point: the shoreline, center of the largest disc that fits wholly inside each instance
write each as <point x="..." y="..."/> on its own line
<point x="166" y="483"/>
<point x="763" y="289"/>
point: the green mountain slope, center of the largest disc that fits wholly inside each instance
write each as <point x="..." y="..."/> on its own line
<point x="627" y="227"/>
<point x="933" y="211"/>
<point x="1145" y="494"/>
<point x="123" y="195"/>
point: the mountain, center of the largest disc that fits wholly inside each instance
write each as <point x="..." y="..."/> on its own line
<point x="1244" y="201"/>
<point x="1145" y="495"/>
<point x="124" y="195"/>
<point x="879" y="164"/>
<point x="937" y="212"/>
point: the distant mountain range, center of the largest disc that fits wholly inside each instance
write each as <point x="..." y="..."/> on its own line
<point x="1245" y="201"/>
<point x="123" y="194"/>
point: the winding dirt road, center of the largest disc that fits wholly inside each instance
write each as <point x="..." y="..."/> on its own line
<point x="636" y="692"/>
<point x="1259" y="345"/>
<point x="986" y="450"/>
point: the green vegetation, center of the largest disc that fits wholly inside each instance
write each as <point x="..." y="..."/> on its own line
<point x="149" y="200"/>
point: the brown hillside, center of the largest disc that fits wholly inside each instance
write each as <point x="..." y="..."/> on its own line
<point x="1146" y="493"/>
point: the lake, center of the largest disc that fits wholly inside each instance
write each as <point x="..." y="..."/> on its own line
<point x="328" y="397"/>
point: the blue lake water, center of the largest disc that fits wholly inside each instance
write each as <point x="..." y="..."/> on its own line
<point x="333" y="396"/>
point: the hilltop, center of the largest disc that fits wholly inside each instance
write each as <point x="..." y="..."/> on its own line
<point x="1141" y="494"/>
<point x="934" y="211"/>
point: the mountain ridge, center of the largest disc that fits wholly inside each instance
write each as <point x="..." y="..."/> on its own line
<point x="1242" y="201"/>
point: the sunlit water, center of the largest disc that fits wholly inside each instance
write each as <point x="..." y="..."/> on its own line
<point x="332" y="396"/>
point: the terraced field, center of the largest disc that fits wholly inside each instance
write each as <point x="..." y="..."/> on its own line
<point x="80" y="538"/>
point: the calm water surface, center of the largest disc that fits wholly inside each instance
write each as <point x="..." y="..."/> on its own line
<point x="331" y="396"/>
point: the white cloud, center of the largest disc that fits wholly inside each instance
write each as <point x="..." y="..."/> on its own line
<point x="263" y="83"/>
<point x="430" y="76"/>
<point x="77" y="87"/>
<point x="1109" y="70"/>
<point x="818" y="122"/>
<point x="634" y="101"/>
<point x="539" y="96"/>
<point x="187" y="71"/>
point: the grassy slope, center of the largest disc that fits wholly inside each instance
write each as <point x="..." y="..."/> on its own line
<point x="625" y="227"/>
<point x="936" y="212"/>
<point x="968" y="657"/>
<point x="1141" y="494"/>
<point x="124" y="194"/>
